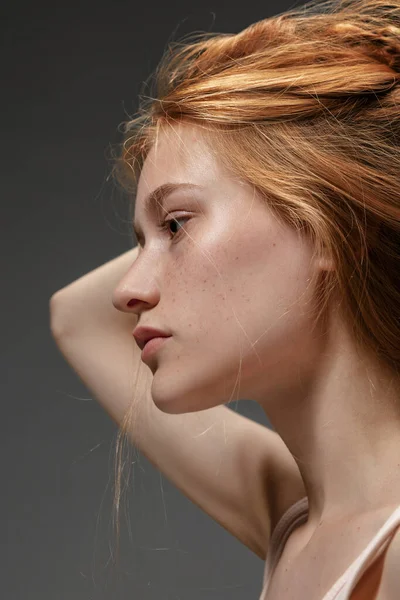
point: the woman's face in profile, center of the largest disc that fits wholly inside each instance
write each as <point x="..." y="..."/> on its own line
<point x="227" y="280"/>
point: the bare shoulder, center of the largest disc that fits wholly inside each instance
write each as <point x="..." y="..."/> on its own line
<point x="390" y="581"/>
<point x="381" y="580"/>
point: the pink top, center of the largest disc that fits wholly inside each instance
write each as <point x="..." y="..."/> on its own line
<point x="341" y="590"/>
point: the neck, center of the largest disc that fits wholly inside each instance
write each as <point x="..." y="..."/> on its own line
<point x="343" y="429"/>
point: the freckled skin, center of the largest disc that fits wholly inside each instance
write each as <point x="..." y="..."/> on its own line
<point x="233" y="285"/>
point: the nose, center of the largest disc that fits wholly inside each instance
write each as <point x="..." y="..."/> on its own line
<point x="135" y="292"/>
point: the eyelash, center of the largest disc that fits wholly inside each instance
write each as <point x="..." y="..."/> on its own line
<point x="165" y="224"/>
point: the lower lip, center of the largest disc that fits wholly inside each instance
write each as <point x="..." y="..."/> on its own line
<point x="152" y="346"/>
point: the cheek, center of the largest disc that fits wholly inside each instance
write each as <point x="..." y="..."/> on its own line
<point x="247" y="291"/>
<point x="263" y="294"/>
<point x="241" y="316"/>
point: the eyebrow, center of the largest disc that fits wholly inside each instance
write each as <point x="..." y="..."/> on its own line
<point x="153" y="202"/>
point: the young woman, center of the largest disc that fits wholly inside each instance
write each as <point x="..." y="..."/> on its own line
<point x="265" y="169"/>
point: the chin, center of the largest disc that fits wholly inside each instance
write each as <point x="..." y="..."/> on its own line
<point x="175" y="405"/>
<point x="167" y="404"/>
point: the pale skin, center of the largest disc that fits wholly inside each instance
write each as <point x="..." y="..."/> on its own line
<point x="231" y="284"/>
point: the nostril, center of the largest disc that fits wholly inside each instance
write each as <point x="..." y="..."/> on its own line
<point x="132" y="303"/>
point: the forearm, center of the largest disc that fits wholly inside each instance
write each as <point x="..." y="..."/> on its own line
<point x="88" y="300"/>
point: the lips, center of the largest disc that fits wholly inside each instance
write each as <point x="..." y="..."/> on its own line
<point x="143" y="334"/>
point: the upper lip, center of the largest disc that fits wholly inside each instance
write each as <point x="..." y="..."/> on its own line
<point x="143" y="334"/>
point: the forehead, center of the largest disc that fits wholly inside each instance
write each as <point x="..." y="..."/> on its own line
<point x="180" y="154"/>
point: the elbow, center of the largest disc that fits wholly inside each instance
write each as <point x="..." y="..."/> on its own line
<point x="55" y="316"/>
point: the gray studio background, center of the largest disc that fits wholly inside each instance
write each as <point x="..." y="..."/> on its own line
<point x="70" y="72"/>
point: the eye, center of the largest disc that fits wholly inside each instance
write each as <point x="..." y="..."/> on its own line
<point x="166" y="224"/>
